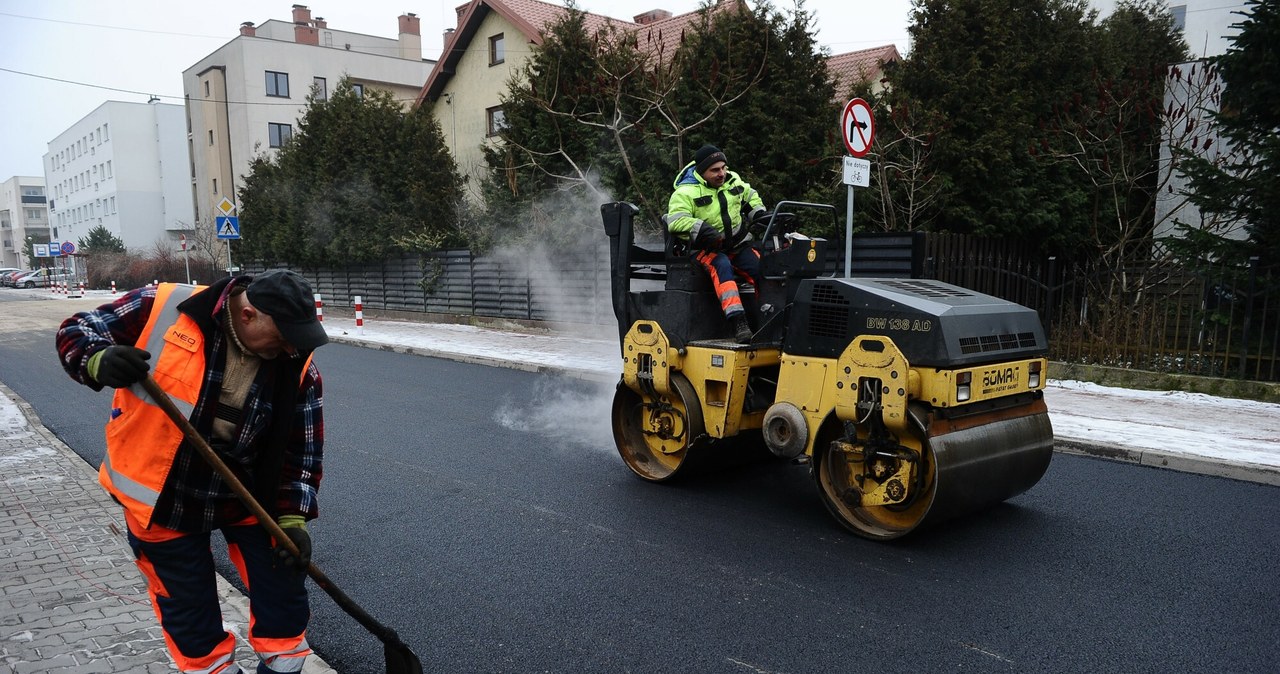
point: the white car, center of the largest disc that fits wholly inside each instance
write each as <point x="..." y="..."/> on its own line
<point x="43" y="278"/>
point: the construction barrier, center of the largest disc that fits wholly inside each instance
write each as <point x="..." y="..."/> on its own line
<point x="319" y="309"/>
<point x="359" y="316"/>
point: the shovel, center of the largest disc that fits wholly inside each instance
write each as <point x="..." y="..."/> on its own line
<point x="400" y="660"/>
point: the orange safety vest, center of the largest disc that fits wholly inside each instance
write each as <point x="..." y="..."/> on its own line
<point x="141" y="440"/>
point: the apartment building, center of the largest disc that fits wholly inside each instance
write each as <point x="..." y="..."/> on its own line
<point x="24" y="215"/>
<point x="122" y="166"/>
<point x="246" y="97"/>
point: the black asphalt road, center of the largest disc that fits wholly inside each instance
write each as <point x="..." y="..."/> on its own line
<point x="483" y="514"/>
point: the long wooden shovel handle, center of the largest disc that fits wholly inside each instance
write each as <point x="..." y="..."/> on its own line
<point x="384" y="633"/>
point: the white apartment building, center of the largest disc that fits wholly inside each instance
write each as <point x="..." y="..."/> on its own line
<point x="123" y="166"/>
<point x="245" y="98"/>
<point x="23" y="214"/>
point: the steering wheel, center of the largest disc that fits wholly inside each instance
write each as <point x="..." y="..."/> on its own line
<point x="774" y="224"/>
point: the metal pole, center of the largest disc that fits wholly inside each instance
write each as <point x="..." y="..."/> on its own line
<point x="230" y="267"/>
<point x="848" y="236"/>
<point x="186" y="257"/>
<point x="1248" y="318"/>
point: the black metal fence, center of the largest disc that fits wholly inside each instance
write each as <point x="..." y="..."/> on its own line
<point x="1222" y="321"/>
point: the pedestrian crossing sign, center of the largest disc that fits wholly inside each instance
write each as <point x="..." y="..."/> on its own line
<point x="228" y="227"/>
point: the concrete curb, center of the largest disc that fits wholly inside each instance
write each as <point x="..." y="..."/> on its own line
<point x="1183" y="463"/>
<point x="1247" y="472"/>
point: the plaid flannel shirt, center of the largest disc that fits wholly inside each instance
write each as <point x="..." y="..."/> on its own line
<point x="194" y="497"/>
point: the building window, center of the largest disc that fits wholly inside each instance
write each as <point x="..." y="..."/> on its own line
<point x="206" y="88"/>
<point x="211" y="136"/>
<point x="215" y="185"/>
<point x="277" y="84"/>
<point x="497" y="120"/>
<point x="113" y="204"/>
<point x="358" y="89"/>
<point x="321" y="88"/>
<point x="109" y="173"/>
<point x="278" y="134"/>
<point x="497" y="49"/>
<point x="1179" y="17"/>
<point x="32" y="213"/>
<point x="105" y="136"/>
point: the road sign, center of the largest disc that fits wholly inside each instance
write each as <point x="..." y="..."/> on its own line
<point x="857" y="172"/>
<point x="227" y="206"/>
<point x="182" y="242"/>
<point x="55" y="248"/>
<point x="228" y="227"/>
<point x="857" y="127"/>
<point x="42" y="250"/>
<point x="67" y="248"/>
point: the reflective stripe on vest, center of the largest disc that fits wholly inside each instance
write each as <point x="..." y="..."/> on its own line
<point x="141" y="440"/>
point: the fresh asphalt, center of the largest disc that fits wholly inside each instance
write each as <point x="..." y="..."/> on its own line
<point x="495" y="539"/>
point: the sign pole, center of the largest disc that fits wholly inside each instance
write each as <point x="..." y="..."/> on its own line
<point x="857" y="130"/>
<point x="848" y="236"/>
<point x="230" y="267"/>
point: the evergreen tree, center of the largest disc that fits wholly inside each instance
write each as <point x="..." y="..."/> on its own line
<point x="101" y="240"/>
<point x="987" y="73"/>
<point x="1243" y="185"/>
<point x="360" y="180"/>
<point x="614" y="114"/>
<point x="765" y="77"/>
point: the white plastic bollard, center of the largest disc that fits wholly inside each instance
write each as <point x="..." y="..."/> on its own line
<point x="319" y="309"/>
<point x="359" y="316"/>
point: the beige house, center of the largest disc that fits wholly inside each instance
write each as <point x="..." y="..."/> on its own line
<point x="245" y="98"/>
<point x="492" y="41"/>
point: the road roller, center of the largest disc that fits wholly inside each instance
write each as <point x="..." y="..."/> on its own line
<point x="911" y="400"/>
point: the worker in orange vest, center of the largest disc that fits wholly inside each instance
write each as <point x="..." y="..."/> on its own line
<point x="236" y="358"/>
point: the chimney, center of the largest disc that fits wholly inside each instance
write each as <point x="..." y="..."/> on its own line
<point x="301" y="15"/>
<point x="321" y="23"/>
<point x="652" y="16"/>
<point x="304" y="34"/>
<point x="410" y="37"/>
<point x="247" y="29"/>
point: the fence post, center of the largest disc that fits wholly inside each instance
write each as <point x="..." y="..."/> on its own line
<point x="1248" y="316"/>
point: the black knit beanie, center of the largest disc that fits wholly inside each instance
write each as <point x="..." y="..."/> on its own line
<point x="706" y="156"/>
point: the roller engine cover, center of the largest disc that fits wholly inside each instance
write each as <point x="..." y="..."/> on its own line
<point x="935" y="324"/>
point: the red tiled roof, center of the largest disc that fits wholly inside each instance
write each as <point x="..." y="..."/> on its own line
<point x="862" y="65"/>
<point x="532" y="16"/>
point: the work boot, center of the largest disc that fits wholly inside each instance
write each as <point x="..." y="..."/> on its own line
<point x="741" y="331"/>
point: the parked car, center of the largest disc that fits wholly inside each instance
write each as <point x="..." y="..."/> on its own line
<point x="7" y="278"/>
<point x="43" y="278"/>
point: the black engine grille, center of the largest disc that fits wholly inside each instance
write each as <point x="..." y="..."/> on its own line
<point x="985" y="343"/>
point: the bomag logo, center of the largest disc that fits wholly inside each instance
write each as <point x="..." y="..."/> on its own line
<point x="1008" y="375"/>
<point x="184" y="338"/>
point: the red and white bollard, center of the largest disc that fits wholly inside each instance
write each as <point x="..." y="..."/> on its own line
<point x="319" y="309"/>
<point x="359" y="316"/>
<point x="113" y="287"/>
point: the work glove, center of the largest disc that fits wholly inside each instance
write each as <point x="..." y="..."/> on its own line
<point x="295" y="527"/>
<point x="706" y="237"/>
<point x="119" y="366"/>
<point x="759" y="216"/>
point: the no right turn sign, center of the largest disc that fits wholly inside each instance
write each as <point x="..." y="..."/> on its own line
<point x="857" y="127"/>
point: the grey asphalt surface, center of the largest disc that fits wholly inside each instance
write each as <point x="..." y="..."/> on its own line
<point x="1094" y="554"/>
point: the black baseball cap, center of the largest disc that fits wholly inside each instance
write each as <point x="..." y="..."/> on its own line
<point x="288" y="299"/>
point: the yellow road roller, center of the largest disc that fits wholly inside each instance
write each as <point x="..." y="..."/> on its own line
<point x="912" y="400"/>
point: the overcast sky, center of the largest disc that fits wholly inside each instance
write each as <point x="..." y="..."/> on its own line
<point x="131" y="49"/>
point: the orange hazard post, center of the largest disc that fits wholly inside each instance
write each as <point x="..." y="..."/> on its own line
<point x="359" y="316"/>
<point x="319" y="309"/>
